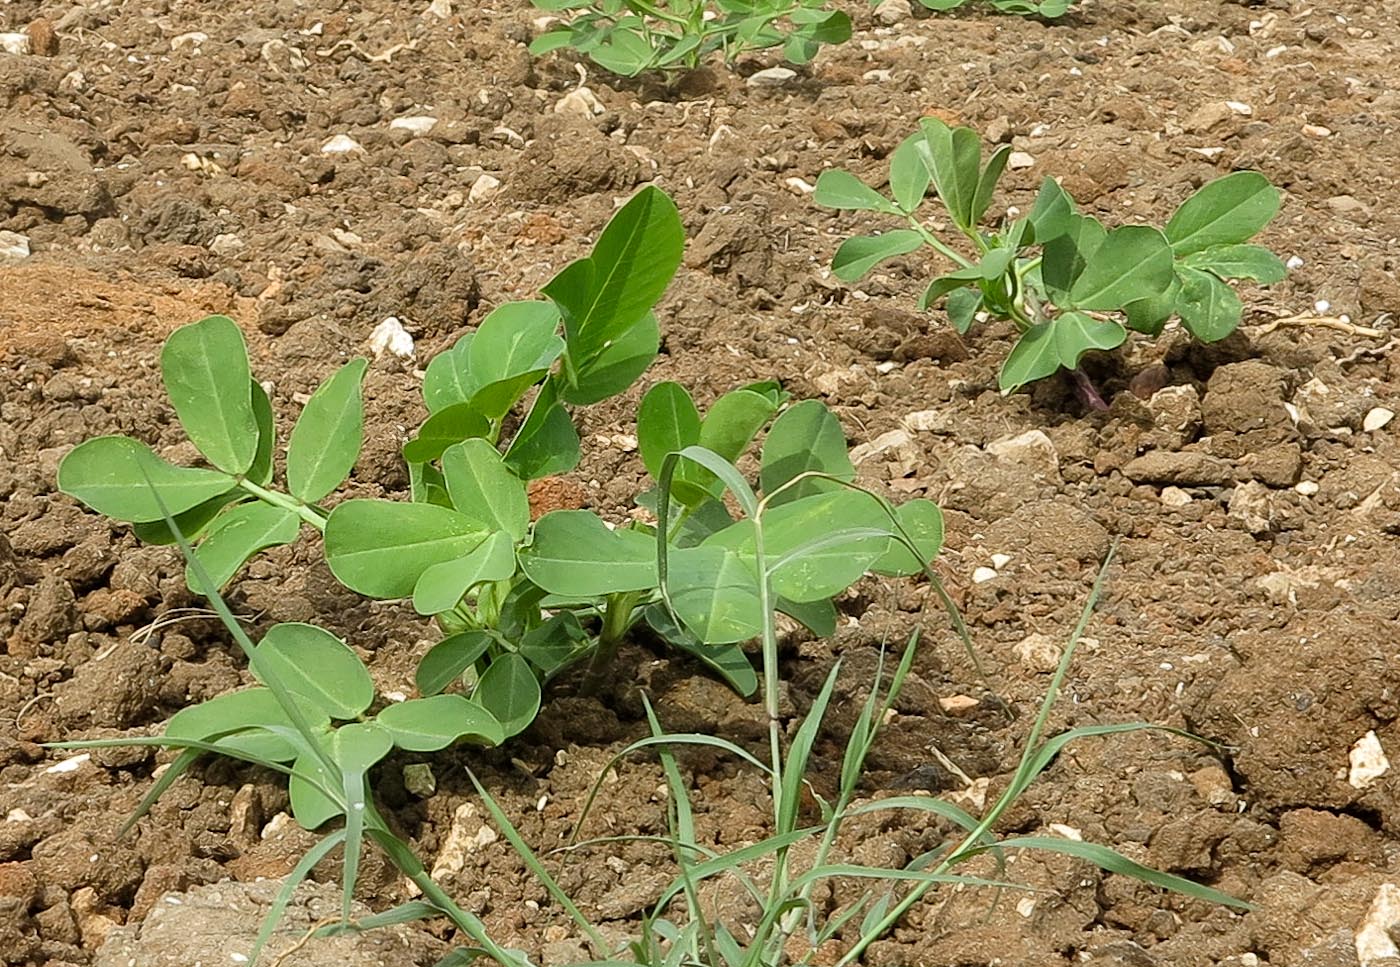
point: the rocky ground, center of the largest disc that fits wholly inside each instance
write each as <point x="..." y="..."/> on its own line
<point x="312" y="170"/>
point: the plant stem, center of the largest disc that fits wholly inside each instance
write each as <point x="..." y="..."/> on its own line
<point x="1088" y="392"/>
<point x="617" y="618"/>
<point x="937" y="244"/>
<point x="305" y="511"/>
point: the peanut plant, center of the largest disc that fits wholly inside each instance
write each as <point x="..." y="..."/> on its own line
<point x="517" y="602"/>
<point x="1048" y="9"/>
<point x="631" y="37"/>
<point x="1069" y="284"/>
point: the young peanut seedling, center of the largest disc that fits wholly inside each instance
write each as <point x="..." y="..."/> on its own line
<point x="631" y="37"/>
<point x="517" y="602"/>
<point x="1048" y="9"/>
<point x="1069" y="284"/>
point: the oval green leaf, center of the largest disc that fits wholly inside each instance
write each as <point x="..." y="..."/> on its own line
<point x="381" y="547"/>
<point x="115" y="476"/>
<point x="509" y="691"/>
<point x="326" y="440"/>
<point x="441" y="586"/>
<point x="1225" y="211"/>
<point x="575" y="554"/>
<point x="1133" y="262"/>
<point x="448" y="659"/>
<point x="451" y="424"/>
<point x="923" y="522"/>
<point x="236" y="535"/>
<point x="845" y="192"/>
<point x="484" y="488"/>
<point x="667" y="422"/>
<point x="857" y="256"/>
<point x="430" y="724"/>
<point x="316" y="665"/>
<point x="805" y="438"/>
<point x="447" y="380"/>
<point x="1208" y="307"/>
<point x="206" y="373"/>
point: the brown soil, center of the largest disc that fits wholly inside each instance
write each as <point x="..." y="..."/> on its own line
<point x="167" y="162"/>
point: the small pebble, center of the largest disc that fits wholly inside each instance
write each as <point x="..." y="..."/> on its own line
<point x="581" y="102"/>
<point x="982" y="575"/>
<point x="1317" y="131"/>
<point x="958" y="704"/>
<point x="1377" y="418"/>
<point x="418" y="124"/>
<point x="772" y="77"/>
<point x="1175" y="497"/>
<point x="1308" y="488"/>
<point x="42" y="39"/>
<point x="194" y="38"/>
<point x="419" y="780"/>
<point x="1294" y="262"/>
<point x="13" y="246"/>
<point x="341" y="144"/>
<point x="391" y="337"/>
<point x="483" y="188"/>
<point x="1000" y="561"/>
<point x="1020" y="160"/>
<point x="1368" y="761"/>
<point x="14" y="43"/>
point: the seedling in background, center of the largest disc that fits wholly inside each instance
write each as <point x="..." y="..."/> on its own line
<point x="1069" y="284"/>
<point x="631" y="37"/>
<point x="1048" y="9"/>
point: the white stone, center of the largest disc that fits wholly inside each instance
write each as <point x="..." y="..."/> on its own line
<point x="1240" y="108"/>
<point x="1294" y="262"/>
<point x="391" y="337"/>
<point x="1038" y="651"/>
<point x="226" y="245"/>
<point x="192" y="39"/>
<point x="925" y="420"/>
<point x="1175" y="497"/>
<point x="13" y="246"/>
<point x="581" y="102"/>
<point x="419" y="124"/>
<point x="772" y="77"/>
<point x="1308" y="488"/>
<point x="1252" y="504"/>
<point x="982" y="575"/>
<point x="1025" y="906"/>
<point x="1377" y="418"/>
<point x="1000" y="561"/>
<point x="484" y="188"/>
<point x="442" y="9"/>
<point x="71" y="764"/>
<point x="341" y="144"/>
<point x="1032" y="449"/>
<point x="1068" y="832"/>
<point x="1368" y="761"/>
<point x="1020" y="160"/>
<point x="1373" y="937"/>
<point x="14" y="43"/>
<point x="800" y="186"/>
<point x="891" y="12"/>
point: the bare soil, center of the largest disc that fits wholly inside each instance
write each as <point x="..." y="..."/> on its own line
<point x="167" y="161"/>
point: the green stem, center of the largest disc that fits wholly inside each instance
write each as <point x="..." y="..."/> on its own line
<point x="305" y="511"/>
<point x="617" y="619"/>
<point x="937" y="244"/>
<point x="777" y="889"/>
